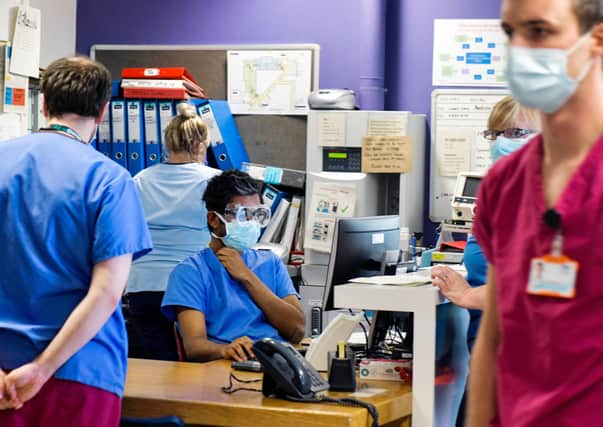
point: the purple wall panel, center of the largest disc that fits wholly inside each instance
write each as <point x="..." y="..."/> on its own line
<point x="410" y="46"/>
<point x="340" y="27"/>
<point x="351" y="33"/>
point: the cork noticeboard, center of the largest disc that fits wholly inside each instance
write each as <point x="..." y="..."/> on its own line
<point x="272" y="140"/>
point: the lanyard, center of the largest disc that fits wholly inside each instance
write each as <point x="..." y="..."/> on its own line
<point x="552" y="218"/>
<point x="65" y="129"/>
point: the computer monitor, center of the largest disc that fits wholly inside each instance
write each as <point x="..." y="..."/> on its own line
<point x="360" y="246"/>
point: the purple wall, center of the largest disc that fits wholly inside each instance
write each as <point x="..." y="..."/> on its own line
<point x="351" y="33"/>
<point x="340" y="30"/>
<point x="410" y="46"/>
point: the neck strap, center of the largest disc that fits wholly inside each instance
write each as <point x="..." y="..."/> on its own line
<point x="55" y="127"/>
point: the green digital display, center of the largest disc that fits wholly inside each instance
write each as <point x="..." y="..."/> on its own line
<point x="338" y="155"/>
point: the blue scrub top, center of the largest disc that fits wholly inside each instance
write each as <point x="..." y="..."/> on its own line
<point x="202" y="283"/>
<point x="477" y="267"/>
<point x="171" y="196"/>
<point x="63" y="207"/>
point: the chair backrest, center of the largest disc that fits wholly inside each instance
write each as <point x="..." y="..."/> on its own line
<point x="179" y="344"/>
<point x="169" y="421"/>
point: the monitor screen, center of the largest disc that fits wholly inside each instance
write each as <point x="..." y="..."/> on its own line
<point x="359" y="246"/>
<point x="471" y="185"/>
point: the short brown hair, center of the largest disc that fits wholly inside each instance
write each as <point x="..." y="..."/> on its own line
<point x="76" y="85"/>
<point x="186" y="131"/>
<point x="588" y="12"/>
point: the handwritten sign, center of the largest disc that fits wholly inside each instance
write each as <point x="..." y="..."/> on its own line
<point x="386" y="154"/>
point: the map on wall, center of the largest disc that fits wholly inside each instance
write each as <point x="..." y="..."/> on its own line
<point x="469" y="52"/>
<point x="269" y="82"/>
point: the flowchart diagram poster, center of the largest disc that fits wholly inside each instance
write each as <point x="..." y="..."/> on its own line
<point x="469" y="52"/>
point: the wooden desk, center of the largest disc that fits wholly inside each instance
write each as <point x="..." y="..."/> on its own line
<point x="192" y="392"/>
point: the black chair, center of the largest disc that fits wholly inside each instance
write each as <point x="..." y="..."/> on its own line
<point x="170" y="421"/>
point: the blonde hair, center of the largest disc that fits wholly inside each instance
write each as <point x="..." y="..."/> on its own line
<point x="186" y="131"/>
<point x="507" y="112"/>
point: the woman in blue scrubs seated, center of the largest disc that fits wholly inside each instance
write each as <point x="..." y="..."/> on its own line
<point x="171" y="195"/>
<point x="228" y="296"/>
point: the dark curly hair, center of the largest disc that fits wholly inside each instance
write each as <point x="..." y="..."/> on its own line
<point x="222" y="188"/>
<point x="76" y="85"/>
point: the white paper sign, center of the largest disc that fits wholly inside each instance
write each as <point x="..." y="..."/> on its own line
<point x="11" y="125"/>
<point x="331" y="129"/>
<point x="269" y="81"/>
<point x="25" y="59"/>
<point x="469" y="52"/>
<point x="328" y="202"/>
<point x="387" y="124"/>
<point x="454" y="149"/>
<point x="13" y="87"/>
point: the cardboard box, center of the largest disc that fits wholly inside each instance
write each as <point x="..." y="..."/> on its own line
<point x="386" y="369"/>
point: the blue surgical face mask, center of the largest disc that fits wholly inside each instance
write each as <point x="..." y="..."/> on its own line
<point x="504" y="146"/>
<point x="240" y="235"/>
<point x="538" y="77"/>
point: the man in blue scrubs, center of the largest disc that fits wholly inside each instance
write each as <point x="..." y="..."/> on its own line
<point x="71" y="225"/>
<point x="229" y="295"/>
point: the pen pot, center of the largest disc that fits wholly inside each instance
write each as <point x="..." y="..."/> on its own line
<point x="342" y="375"/>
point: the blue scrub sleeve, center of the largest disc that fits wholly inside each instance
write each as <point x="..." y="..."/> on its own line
<point x="284" y="285"/>
<point x="185" y="289"/>
<point x="120" y="226"/>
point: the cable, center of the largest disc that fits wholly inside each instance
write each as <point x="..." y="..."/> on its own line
<point x="345" y="401"/>
<point x="229" y="389"/>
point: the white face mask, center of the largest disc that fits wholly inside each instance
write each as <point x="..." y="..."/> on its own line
<point x="538" y="77"/>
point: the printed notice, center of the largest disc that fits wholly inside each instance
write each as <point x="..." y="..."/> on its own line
<point x="482" y="158"/>
<point x="25" y="58"/>
<point x="454" y="149"/>
<point x="13" y="87"/>
<point x="380" y="124"/>
<point x="331" y="129"/>
<point x="328" y="202"/>
<point x="386" y="154"/>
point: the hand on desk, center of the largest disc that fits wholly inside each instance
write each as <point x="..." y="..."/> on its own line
<point x="239" y="349"/>
<point x="452" y="285"/>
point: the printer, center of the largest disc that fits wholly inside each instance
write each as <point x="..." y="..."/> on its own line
<point x="332" y="99"/>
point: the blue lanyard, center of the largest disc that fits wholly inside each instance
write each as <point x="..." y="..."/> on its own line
<point x="65" y="129"/>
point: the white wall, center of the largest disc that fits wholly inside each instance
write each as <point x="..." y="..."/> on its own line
<point x="58" y="26"/>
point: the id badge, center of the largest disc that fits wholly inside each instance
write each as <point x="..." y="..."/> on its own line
<point x="553" y="276"/>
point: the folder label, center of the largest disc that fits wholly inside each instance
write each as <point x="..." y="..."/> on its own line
<point x="207" y="115"/>
<point x="119" y="131"/>
<point x="134" y="129"/>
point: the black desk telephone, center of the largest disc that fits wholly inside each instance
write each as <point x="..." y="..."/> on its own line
<point x="286" y="373"/>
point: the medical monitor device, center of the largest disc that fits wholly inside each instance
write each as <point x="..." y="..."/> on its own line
<point x="360" y="246"/>
<point x="465" y="195"/>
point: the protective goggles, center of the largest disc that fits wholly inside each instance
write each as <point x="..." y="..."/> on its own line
<point x="491" y="134"/>
<point x="259" y="214"/>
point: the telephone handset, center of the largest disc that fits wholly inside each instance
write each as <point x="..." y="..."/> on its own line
<point x="286" y="372"/>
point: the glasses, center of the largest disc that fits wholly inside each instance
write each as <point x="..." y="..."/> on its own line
<point x="491" y="134"/>
<point x="259" y="214"/>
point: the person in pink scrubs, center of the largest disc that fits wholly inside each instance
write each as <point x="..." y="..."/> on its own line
<point x="538" y="357"/>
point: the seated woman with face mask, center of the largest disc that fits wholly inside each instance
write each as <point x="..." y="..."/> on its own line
<point x="510" y="126"/>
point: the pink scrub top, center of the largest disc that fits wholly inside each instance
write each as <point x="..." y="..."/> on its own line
<point x="550" y="357"/>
